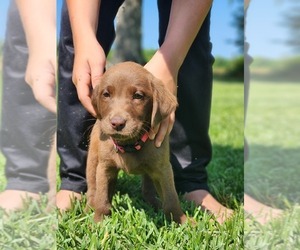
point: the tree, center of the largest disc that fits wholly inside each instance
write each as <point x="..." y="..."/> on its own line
<point x="128" y="43"/>
<point x="292" y="21"/>
<point x="238" y="23"/>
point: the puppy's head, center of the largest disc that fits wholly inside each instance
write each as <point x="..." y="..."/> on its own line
<point x="128" y="99"/>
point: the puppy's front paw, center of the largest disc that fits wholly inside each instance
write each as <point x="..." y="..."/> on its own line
<point x="183" y="219"/>
<point x="98" y="217"/>
<point x="100" y="213"/>
<point x="90" y="204"/>
<point x="191" y="221"/>
<point x="87" y="208"/>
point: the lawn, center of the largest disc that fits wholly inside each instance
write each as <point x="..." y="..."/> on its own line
<point x="133" y="224"/>
<point x="273" y="169"/>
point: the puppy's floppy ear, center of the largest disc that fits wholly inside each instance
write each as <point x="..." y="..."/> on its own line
<point x="96" y="100"/>
<point x="164" y="102"/>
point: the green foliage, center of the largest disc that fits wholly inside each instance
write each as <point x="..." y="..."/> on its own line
<point x="290" y="20"/>
<point x="276" y="70"/>
<point x="229" y="69"/>
<point x="224" y="69"/>
<point x="148" y="54"/>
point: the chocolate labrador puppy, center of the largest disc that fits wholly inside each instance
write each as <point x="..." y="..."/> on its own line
<point x="128" y="101"/>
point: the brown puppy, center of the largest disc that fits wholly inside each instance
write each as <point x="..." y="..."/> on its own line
<point x="128" y="101"/>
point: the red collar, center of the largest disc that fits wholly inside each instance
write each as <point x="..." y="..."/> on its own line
<point x="131" y="147"/>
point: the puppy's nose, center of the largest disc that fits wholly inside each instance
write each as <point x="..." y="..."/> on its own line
<point x="118" y="123"/>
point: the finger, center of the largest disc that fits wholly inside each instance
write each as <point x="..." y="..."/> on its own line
<point x="44" y="92"/>
<point x="153" y="131"/>
<point x="82" y="81"/>
<point x="162" y="132"/>
<point x="49" y="103"/>
<point x="84" y="94"/>
<point x="97" y="69"/>
<point x="96" y="73"/>
<point x="171" y="122"/>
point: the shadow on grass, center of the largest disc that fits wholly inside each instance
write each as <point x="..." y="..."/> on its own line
<point x="226" y="174"/>
<point x="272" y="175"/>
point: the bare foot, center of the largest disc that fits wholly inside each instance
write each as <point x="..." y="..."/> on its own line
<point x="13" y="200"/>
<point x="64" y="199"/>
<point x="208" y="203"/>
<point x="260" y="212"/>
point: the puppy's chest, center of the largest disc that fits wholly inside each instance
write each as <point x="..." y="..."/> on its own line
<point x="132" y="163"/>
<point x="138" y="162"/>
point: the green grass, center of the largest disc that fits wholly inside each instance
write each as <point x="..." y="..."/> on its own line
<point x="272" y="171"/>
<point x="133" y="224"/>
<point x="31" y="228"/>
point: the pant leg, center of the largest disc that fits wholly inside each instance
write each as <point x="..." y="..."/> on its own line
<point x="26" y="126"/>
<point x="74" y="122"/>
<point x="191" y="148"/>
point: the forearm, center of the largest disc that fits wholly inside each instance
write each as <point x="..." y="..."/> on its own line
<point x="84" y="17"/>
<point x="39" y="23"/>
<point x="90" y="58"/>
<point x="185" y="21"/>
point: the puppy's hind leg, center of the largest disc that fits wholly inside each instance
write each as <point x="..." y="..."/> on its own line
<point x="165" y="186"/>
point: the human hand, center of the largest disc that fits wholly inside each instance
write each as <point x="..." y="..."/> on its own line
<point x="167" y="73"/>
<point x="88" y="68"/>
<point x="38" y="17"/>
<point x="40" y="75"/>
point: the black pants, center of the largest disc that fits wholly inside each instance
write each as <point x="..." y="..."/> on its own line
<point x="26" y="126"/>
<point x="190" y="143"/>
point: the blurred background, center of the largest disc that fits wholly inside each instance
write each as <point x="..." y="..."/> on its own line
<point x="273" y="34"/>
<point x="272" y="166"/>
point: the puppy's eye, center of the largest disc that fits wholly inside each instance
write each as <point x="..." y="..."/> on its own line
<point x="106" y="94"/>
<point x="138" y="95"/>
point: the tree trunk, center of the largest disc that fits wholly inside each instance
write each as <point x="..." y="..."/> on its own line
<point x="128" y="43"/>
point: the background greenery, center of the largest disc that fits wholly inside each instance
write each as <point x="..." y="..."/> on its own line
<point x="282" y="70"/>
